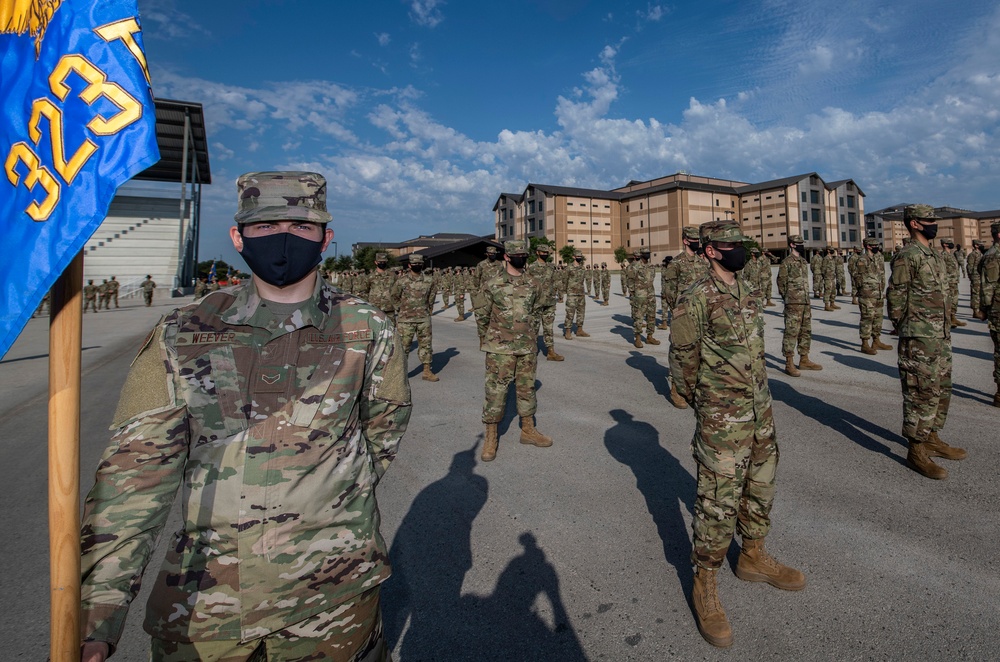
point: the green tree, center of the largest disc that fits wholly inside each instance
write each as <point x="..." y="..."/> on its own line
<point x="566" y="253"/>
<point x="364" y="258"/>
<point x="621" y="255"/>
<point x="535" y="242"/>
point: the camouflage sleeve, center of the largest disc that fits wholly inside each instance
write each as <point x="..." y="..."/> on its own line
<point x="396" y="293"/>
<point x="132" y="495"/>
<point x="685" y="347"/>
<point x="989" y="279"/>
<point x="385" y="408"/>
<point x="782" y="279"/>
<point x="432" y="293"/>
<point x="671" y="276"/>
<point x="899" y="287"/>
<point x="484" y="309"/>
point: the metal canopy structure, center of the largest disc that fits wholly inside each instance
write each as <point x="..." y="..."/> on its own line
<point x="170" y="138"/>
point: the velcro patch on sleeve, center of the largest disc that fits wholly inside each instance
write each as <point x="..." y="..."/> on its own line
<point x="147" y="386"/>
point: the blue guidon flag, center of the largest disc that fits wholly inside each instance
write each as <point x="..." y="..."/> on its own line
<point x="77" y="122"/>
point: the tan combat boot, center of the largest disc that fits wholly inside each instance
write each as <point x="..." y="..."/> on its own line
<point x="637" y="341"/>
<point x="490" y="443"/>
<point x="529" y="435"/>
<point x="604" y="303"/>
<point x="675" y="397"/>
<point x="708" y="613"/>
<point x="918" y="459"/>
<point x="580" y="333"/>
<point x="878" y="344"/>
<point x="663" y="326"/>
<point x="650" y="340"/>
<point x="866" y="348"/>
<point x="854" y="301"/>
<point x="835" y="306"/>
<point x="756" y="565"/>
<point x="552" y="355"/>
<point x="956" y="322"/>
<point x="937" y="447"/>
<point x="827" y="307"/>
<point x="806" y="364"/>
<point x="790" y="368"/>
<point x="567" y="334"/>
<point x="428" y="375"/>
<point x="460" y="318"/>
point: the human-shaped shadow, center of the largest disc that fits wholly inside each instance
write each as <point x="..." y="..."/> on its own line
<point x="657" y="375"/>
<point x="666" y="486"/>
<point x="859" y="430"/>
<point x="430" y="554"/>
<point x="507" y="626"/>
<point x="860" y="362"/>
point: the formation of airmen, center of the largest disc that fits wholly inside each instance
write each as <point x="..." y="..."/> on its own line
<point x="99" y="297"/>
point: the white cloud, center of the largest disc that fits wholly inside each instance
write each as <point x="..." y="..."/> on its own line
<point x="426" y="13"/>
<point x="382" y="38"/>
<point x="652" y="13"/>
<point x="161" y="19"/>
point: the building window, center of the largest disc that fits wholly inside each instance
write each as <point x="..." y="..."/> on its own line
<point x="531" y="207"/>
<point x="843" y="237"/>
<point x="717" y="202"/>
<point x="841" y="219"/>
<point x="781" y="195"/>
<point x="852" y="218"/>
<point x="626" y="207"/>
<point x="814" y="197"/>
<point x="541" y="206"/>
<point x="815" y="216"/>
<point x="817" y="234"/>
<point x="841" y="201"/>
<point x="642" y="242"/>
<point x="853" y="234"/>
<point x="641" y="222"/>
<point x="541" y="224"/>
<point x="768" y="198"/>
<point x="531" y="225"/>
<point x="805" y="215"/>
<point x="640" y="205"/>
<point x="850" y="202"/>
<point x="804" y="197"/>
<point x="770" y="215"/>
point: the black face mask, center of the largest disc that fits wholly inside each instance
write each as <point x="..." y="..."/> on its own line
<point x="798" y="248"/>
<point x="416" y="268"/>
<point x="929" y="230"/>
<point x="492" y="257"/>
<point x="281" y="259"/>
<point x="381" y="265"/>
<point x="518" y="261"/>
<point x="734" y="259"/>
<point x="579" y="260"/>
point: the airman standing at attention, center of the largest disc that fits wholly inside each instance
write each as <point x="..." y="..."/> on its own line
<point x="543" y="273"/>
<point x="510" y="339"/>
<point x="717" y="364"/>
<point x="751" y="271"/>
<point x="948" y="252"/>
<point x="147" y="290"/>
<point x="919" y="303"/>
<point x="852" y="263"/>
<point x="816" y="264"/>
<point x="605" y="284"/>
<point x="621" y="277"/>
<point x="200" y="288"/>
<point x="869" y="285"/>
<point x="643" y="301"/>
<point x="975" y="280"/>
<point x="588" y="279"/>
<point x="413" y="296"/>
<point x="90" y="292"/>
<point x="576" y="301"/>
<point x="380" y="287"/>
<point x="461" y="287"/>
<point x="829" y="272"/>
<point x="103" y="295"/>
<point x="989" y="274"/>
<point x="764" y="277"/>
<point x="115" y="285"/>
<point x="681" y="273"/>
<point x="841" y="279"/>
<point x="485" y="270"/>
<point x="793" y="287"/>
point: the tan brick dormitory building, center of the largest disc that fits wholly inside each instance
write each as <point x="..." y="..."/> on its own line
<point x="652" y="213"/>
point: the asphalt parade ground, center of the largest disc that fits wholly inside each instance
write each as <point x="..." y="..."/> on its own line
<point x="581" y="551"/>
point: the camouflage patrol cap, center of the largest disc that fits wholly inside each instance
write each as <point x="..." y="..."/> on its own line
<point x="977" y="242"/>
<point x="643" y="251"/>
<point x="870" y="241"/>
<point x="416" y="258"/>
<point x="604" y="264"/>
<point x="918" y="211"/>
<point x="577" y="253"/>
<point x="543" y="248"/>
<point x="515" y="247"/>
<point x="796" y="239"/>
<point x="690" y="232"/>
<point x="491" y="250"/>
<point x="722" y="231"/>
<point x="755" y="251"/>
<point x="381" y="257"/>
<point x="282" y="196"/>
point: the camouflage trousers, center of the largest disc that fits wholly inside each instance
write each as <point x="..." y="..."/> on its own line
<point x="605" y="290"/>
<point x="547" y="319"/>
<point x="737" y="466"/>
<point x="91" y="303"/>
<point x="643" y="314"/>
<point x="995" y="335"/>
<point x="422" y="329"/>
<point x="817" y="286"/>
<point x="148" y="296"/>
<point x="768" y="285"/>
<point x="586" y="286"/>
<point x="829" y="290"/>
<point x="841" y="282"/>
<point x="974" y="294"/>
<point x="798" y="329"/>
<point x="351" y="632"/>
<point x="576" y="306"/>
<point x="925" y="376"/>
<point x="445" y="296"/>
<point x="871" y="317"/>
<point x="501" y="370"/>
<point x="460" y="302"/>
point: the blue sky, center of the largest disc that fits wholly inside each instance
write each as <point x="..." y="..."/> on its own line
<point x="421" y="112"/>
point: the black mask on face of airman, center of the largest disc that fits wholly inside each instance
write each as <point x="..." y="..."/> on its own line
<point x="281" y="259"/>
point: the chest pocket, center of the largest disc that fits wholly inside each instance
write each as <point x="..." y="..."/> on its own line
<point x="328" y="401"/>
<point x="723" y="328"/>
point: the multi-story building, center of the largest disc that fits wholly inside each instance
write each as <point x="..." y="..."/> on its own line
<point x="959" y="225"/>
<point x="653" y="213"/>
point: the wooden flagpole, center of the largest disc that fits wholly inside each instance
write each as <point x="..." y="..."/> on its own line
<point x="65" y="340"/>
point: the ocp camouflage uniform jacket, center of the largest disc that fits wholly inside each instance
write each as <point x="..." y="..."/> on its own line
<point x="917" y="299"/>
<point x="989" y="275"/>
<point x="816" y="264"/>
<point x="852" y="264"/>
<point x="869" y="276"/>
<point x="793" y="280"/>
<point x="717" y="362"/>
<point x="574" y="279"/>
<point x="829" y="267"/>
<point x="507" y="314"/>
<point x="682" y="272"/>
<point x="413" y="296"/>
<point x="545" y="275"/>
<point x="639" y="278"/>
<point x="380" y="290"/>
<point x="484" y="271"/>
<point x="954" y="271"/>
<point x="277" y="431"/>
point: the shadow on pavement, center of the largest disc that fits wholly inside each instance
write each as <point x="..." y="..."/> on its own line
<point x="860" y="362"/>
<point x="424" y="609"/>
<point x="662" y="481"/>
<point x="438" y="362"/>
<point x="855" y="428"/>
<point x="657" y="375"/>
<point x="43" y="356"/>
